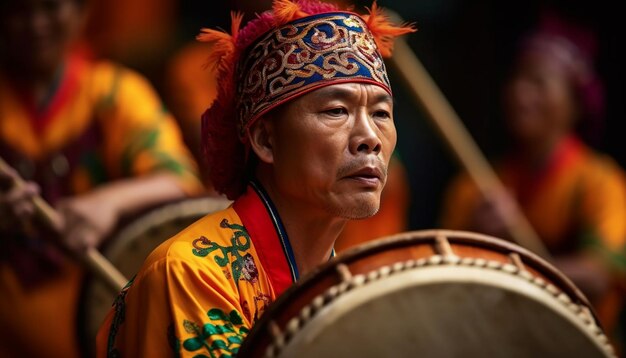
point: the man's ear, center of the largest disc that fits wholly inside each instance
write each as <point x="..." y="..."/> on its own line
<point x="261" y="136"/>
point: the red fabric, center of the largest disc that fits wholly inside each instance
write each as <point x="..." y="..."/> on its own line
<point x="529" y="183"/>
<point x="41" y="118"/>
<point x="66" y="89"/>
<point x="257" y="221"/>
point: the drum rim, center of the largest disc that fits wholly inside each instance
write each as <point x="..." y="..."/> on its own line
<point x="160" y="214"/>
<point x="411" y="238"/>
<point x="474" y="274"/>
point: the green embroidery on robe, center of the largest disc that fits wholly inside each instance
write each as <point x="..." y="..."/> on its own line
<point x="240" y="261"/>
<point x="221" y="338"/>
<point x="118" y="319"/>
<point x="173" y="342"/>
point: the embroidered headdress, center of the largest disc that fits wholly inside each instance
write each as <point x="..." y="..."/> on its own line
<point x="282" y="54"/>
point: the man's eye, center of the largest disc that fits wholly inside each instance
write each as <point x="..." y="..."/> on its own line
<point x="382" y="114"/>
<point x="336" y="112"/>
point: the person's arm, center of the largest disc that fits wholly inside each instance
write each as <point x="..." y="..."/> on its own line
<point x="143" y="154"/>
<point x="91" y="217"/>
<point x="16" y="202"/>
<point x="602" y="232"/>
<point x="587" y="270"/>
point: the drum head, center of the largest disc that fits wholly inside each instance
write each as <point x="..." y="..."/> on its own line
<point x="435" y="293"/>
<point x="128" y="248"/>
<point x="445" y="312"/>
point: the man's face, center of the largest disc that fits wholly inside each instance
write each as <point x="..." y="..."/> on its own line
<point x="331" y="148"/>
<point x="540" y="101"/>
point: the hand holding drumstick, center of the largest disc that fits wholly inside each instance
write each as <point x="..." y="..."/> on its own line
<point x="78" y="224"/>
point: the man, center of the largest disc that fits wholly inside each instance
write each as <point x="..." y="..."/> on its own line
<point x="190" y="86"/>
<point x="89" y="136"/>
<point x="300" y="137"/>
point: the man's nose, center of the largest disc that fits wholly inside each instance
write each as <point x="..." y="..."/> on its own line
<point x="365" y="136"/>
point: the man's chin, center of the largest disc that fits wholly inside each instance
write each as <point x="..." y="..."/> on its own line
<point x="360" y="215"/>
<point x="360" y="209"/>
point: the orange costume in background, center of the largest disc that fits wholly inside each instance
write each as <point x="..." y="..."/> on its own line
<point x="102" y="122"/>
<point x="201" y="291"/>
<point x="190" y="86"/>
<point x="576" y="202"/>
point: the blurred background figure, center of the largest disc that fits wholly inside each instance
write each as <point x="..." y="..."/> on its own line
<point x="93" y="139"/>
<point x="573" y="196"/>
<point x="133" y="32"/>
<point x="189" y="85"/>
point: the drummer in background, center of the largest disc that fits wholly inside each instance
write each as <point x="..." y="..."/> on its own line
<point x="301" y="149"/>
<point x="574" y="197"/>
<point x="92" y="138"/>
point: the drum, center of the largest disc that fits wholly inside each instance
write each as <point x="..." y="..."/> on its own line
<point x="128" y="248"/>
<point x="431" y="294"/>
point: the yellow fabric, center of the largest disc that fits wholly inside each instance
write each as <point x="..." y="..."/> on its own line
<point x="180" y="299"/>
<point x="583" y="201"/>
<point x="579" y="207"/>
<point x="139" y="138"/>
<point x="39" y="321"/>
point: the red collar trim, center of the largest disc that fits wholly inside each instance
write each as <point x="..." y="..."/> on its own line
<point x="528" y="185"/>
<point x="66" y="90"/>
<point x="41" y="118"/>
<point x="257" y="220"/>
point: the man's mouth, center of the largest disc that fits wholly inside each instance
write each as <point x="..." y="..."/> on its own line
<point x="369" y="176"/>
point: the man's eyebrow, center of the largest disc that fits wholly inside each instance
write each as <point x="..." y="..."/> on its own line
<point x="327" y="93"/>
<point x="333" y="93"/>
<point x="383" y="97"/>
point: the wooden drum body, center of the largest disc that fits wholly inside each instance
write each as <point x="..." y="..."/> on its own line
<point x="431" y="294"/>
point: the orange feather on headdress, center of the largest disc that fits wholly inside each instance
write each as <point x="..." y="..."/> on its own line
<point x="286" y="11"/>
<point x="223" y="43"/>
<point x="383" y="30"/>
<point x="225" y="146"/>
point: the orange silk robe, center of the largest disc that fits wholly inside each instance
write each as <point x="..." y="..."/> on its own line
<point x="200" y="292"/>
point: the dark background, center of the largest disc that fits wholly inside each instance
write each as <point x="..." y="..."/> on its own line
<point x="468" y="47"/>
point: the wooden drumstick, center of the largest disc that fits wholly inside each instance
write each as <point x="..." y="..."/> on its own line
<point x="93" y="259"/>
<point x="426" y="92"/>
